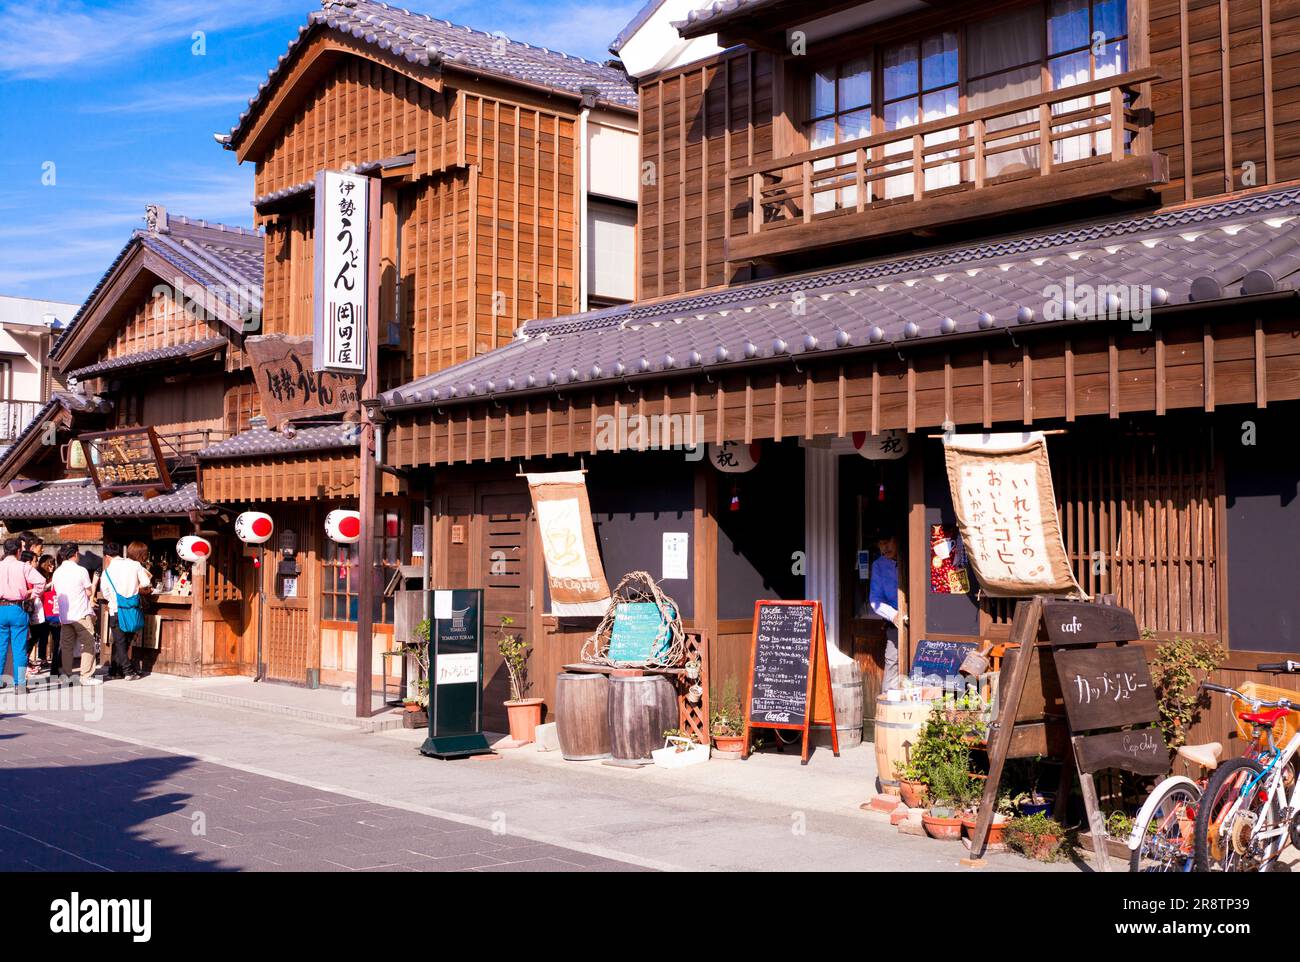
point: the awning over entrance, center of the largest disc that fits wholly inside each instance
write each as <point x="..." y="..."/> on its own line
<point x="77" y="500"/>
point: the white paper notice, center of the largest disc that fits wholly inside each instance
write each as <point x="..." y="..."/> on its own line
<point x="441" y="604"/>
<point x="677" y="545"/>
<point x="456" y="669"/>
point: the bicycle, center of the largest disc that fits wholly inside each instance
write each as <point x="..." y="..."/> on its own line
<point x="1163" y="838"/>
<point x="1248" y="811"/>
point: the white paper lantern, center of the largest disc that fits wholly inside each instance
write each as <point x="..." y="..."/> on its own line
<point x="193" y="548"/>
<point x="885" y="446"/>
<point x="734" y="457"/>
<point x="343" y="526"/>
<point x="254" y="527"/>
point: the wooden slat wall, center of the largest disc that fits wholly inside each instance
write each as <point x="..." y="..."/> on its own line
<point x="289" y="275"/>
<point x="163" y="320"/>
<point x="694" y="123"/>
<point x="1230" y="92"/>
<point x="325" y="475"/>
<point x="1141" y="524"/>
<point x="361" y="112"/>
<point x="974" y="387"/>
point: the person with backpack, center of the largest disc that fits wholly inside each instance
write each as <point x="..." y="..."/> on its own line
<point x="124" y="581"/>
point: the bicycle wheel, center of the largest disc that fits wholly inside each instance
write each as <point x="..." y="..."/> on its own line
<point x="1168" y="836"/>
<point x="1214" y="849"/>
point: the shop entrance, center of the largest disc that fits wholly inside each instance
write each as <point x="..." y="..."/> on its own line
<point x="873" y="502"/>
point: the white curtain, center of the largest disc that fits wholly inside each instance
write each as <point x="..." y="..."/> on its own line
<point x="996" y="47"/>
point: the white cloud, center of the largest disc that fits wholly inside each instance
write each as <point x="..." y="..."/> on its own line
<point x="47" y="37"/>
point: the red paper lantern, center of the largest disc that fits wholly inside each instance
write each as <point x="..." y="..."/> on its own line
<point x="343" y="526"/>
<point x="193" y="548"/>
<point x="254" y="527"/>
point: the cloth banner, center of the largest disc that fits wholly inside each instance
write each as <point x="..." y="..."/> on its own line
<point x="577" y="581"/>
<point x="1006" y="509"/>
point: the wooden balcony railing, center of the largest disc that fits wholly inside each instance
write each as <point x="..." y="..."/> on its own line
<point x="1091" y="129"/>
<point x="15" y="416"/>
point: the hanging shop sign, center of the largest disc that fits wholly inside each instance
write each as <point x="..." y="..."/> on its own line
<point x="193" y="548"/>
<point x="456" y="675"/>
<point x="128" y="459"/>
<point x="886" y="446"/>
<point x="343" y="526"/>
<point x="342" y="262"/>
<point x="1006" y="510"/>
<point x="947" y="561"/>
<point x="734" y="457"/>
<point x="573" y="569"/>
<point x="254" y="527"/>
<point x="789" y="672"/>
<point x="289" y="385"/>
<point x="641" y="634"/>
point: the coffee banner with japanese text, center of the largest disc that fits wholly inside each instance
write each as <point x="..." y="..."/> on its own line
<point x="573" y="568"/>
<point x="1006" y="509"/>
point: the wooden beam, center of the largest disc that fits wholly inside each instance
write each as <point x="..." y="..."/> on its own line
<point x="1070" y="400"/>
<point x="1261" y="365"/>
<point x="1112" y="375"/>
<point x="1207" y="347"/>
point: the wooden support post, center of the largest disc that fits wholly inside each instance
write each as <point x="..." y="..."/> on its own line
<point x="1096" y="821"/>
<point x="366" y="546"/>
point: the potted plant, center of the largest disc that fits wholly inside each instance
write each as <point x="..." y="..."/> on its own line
<point x="727" y="721"/>
<point x="911" y="784"/>
<point x="525" y="713"/>
<point x="679" y="751"/>
<point x="1002" y="812"/>
<point x="949" y="781"/>
<point x="1036" y="836"/>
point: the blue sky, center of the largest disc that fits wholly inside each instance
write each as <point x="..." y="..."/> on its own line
<point x="112" y="94"/>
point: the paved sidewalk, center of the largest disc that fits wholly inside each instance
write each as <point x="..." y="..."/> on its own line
<point x="764" y="814"/>
<point x="78" y="802"/>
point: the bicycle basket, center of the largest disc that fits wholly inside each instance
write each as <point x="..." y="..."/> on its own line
<point x="1284" y="729"/>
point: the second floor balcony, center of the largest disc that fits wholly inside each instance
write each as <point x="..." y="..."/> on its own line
<point x="1071" y="144"/>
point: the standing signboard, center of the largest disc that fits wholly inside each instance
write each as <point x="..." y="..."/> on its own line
<point x="342" y="281"/>
<point x="787" y="666"/>
<point x="456" y="675"/>
<point x="127" y="459"/>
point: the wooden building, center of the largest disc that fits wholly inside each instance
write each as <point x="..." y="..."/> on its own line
<point x="509" y="186"/>
<point x="873" y="217"/>
<point x="155" y="352"/>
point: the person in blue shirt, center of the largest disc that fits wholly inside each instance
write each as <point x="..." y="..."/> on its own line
<point x="883" y="600"/>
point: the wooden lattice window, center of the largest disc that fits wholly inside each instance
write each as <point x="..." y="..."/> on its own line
<point x="340" y="579"/>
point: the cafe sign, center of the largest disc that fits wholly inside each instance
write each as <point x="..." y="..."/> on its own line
<point x="128" y="459"/>
<point x="289" y="385"/>
<point x="342" y="263"/>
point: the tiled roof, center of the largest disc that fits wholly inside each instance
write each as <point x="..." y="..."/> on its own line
<point x="260" y="441"/>
<point x="78" y="500"/>
<point x="1246" y="245"/>
<point x="58" y="399"/>
<point x="225" y="260"/>
<point x="719" y="11"/>
<point x="635" y="24"/>
<point x="149" y="358"/>
<point x="309" y="186"/>
<point x="425" y="40"/>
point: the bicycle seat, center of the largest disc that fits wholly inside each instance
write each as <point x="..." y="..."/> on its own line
<point x="1206" y="756"/>
<point x="1268" y="717"/>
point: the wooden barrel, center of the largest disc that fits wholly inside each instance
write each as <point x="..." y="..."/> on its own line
<point x="897" y="725"/>
<point x="846" y="689"/>
<point x="641" y="709"/>
<point x="582" y="715"/>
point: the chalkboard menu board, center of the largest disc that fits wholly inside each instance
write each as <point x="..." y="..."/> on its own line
<point x="940" y="659"/>
<point x="1106" y="687"/>
<point x="789" y="674"/>
<point x="640" y="633"/>
<point x="782" y="664"/>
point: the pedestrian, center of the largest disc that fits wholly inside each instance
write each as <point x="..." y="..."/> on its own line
<point x="125" y="579"/>
<point x="884" y="602"/>
<point x="72" y="590"/>
<point x="36" y="630"/>
<point x="18" y="584"/>
<point x="46" y="644"/>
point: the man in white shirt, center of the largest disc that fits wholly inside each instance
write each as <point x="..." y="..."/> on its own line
<point x="125" y="576"/>
<point x="72" y="594"/>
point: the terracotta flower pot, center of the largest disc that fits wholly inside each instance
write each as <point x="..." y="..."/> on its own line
<point x="411" y="706"/>
<point x="913" y="793"/>
<point x="997" y="831"/>
<point x="942" y="828"/>
<point x="1042" y="847"/>
<point x="525" y="715"/>
<point x="729" y="743"/>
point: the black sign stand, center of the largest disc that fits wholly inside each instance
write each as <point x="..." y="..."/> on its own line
<point x="456" y="706"/>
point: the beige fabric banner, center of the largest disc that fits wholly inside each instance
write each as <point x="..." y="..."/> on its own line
<point x="573" y="568"/>
<point x="1002" y="492"/>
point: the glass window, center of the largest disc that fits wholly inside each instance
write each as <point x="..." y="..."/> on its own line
<point x="341" y="579"/>
<point x="841" y="100"/>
